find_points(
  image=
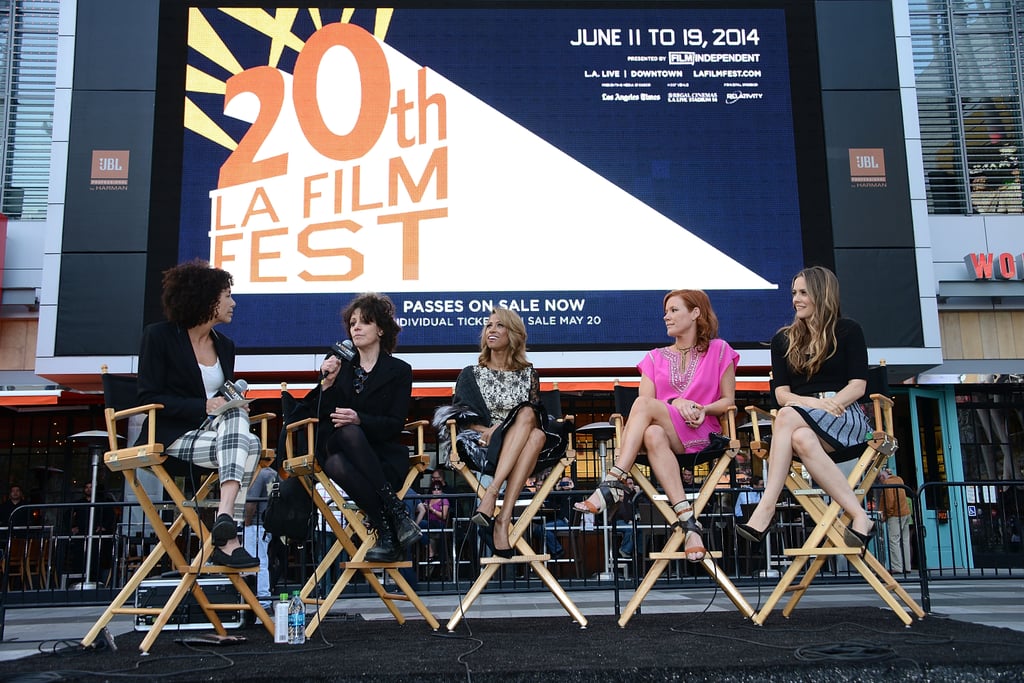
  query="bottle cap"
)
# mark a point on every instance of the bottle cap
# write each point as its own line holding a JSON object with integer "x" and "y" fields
{"x": 284, "y": 596}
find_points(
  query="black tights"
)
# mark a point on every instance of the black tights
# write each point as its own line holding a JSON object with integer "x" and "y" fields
{"x": 354, "y": 466}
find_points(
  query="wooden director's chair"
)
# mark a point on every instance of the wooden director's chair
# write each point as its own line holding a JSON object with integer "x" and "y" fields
{"x": 673, "y": 549}
{"x": 827, "y": 538}
{"x": 551, "y": 400}
{"x": 354, "y": 538}
{"x": 120, "y": 397}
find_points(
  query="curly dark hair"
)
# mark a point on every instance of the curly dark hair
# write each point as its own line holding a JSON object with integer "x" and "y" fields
{"x": 375, "y": 308}
{"x": 191, "y": 292}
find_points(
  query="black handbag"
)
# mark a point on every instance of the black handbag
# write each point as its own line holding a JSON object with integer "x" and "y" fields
{"x": 289, "y": 510}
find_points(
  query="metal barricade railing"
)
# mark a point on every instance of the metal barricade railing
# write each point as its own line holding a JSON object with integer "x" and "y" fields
{"x": 973, "y": 532}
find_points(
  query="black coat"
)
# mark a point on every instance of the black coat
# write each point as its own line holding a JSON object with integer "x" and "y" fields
{"x": 383, "y": 408}
{"x": 169, "y": 374}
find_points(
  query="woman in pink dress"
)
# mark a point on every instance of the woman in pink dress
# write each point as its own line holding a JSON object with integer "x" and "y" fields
{"x": 684, "y": 388}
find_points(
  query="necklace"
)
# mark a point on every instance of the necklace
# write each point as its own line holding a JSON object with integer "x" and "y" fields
{"x": 683, "y": 351}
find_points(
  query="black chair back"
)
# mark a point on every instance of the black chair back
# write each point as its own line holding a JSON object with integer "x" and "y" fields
{"x": 551, "y": 399}
{"x": 120, "y": 391}
{"x": 624, "y": 398}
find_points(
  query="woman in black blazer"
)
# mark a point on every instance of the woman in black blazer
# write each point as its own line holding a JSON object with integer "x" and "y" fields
{"x": 362, "y": 405}
{"x": 183, "y": 364}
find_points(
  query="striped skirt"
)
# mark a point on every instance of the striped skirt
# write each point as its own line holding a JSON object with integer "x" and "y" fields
{"x": 838, "y": 431}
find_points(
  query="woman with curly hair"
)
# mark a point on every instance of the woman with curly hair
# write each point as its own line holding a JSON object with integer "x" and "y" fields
{"x": 820, "y": 368}
{"x": 365, "y": 402}
{"x": 684, "y": 387}
{"x": 183, "y": 364}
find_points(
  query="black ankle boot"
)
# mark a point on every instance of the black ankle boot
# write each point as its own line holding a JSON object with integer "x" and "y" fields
{"x": 405, "y": 528}
{"x": 387, "y": 548}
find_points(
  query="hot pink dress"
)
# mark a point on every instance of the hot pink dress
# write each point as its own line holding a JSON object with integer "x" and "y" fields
{"x": 699, "y": 381}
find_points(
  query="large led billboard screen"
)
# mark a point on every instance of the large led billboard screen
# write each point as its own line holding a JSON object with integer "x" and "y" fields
{"x": 574, "y": 163}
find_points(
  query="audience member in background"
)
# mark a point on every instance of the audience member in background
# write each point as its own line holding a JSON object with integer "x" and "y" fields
{"x": 895, "y": 511}
{"x": 820, "y": 368}
{"x": 432, "y": 513}
{"x": 747, "y": 494}
{"x": 558, "y": 507}
{"x": 183, "y": 364}
{"x": 15, "y": 499}
{"x": 684, "y": 388}
{"x": 624, "y": 518}
{"x": 256, "y": 539}
{"x": 104, "y": 524}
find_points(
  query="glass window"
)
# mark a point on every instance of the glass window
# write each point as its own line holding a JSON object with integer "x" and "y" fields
{"x": 28, "y": 67}
{"x": 968, "y": 75}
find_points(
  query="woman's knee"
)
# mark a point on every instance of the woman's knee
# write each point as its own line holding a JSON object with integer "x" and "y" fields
{"x": 788, "y": 419}
{"x": 643, "y": 407}
{"x": 655, "y": 436}
{"x": 805, "y": 442}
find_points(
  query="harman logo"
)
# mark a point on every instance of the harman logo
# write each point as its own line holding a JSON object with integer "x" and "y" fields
{"x": 867, "y": 167}
{"x": 109, "y": 170}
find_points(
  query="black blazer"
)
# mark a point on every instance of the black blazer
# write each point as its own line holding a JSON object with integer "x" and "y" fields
{"x": 382, "y": 405}
{"x": 169, "y": 374}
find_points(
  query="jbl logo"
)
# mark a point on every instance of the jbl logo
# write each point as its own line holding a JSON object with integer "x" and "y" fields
{"x": 109, "y": 169}
{"x": 867, "y": 165}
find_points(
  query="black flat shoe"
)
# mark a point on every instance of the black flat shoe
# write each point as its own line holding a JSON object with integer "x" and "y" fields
{"x": 857, "y": 539}
{"x": 751, "y": 534}
{"x": 224, "y": 529}
{"x": 238, "y": 559}
{"x": 481, "y": 520}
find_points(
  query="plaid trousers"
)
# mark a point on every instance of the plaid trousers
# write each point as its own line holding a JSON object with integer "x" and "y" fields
{"x": 225, "y": 444}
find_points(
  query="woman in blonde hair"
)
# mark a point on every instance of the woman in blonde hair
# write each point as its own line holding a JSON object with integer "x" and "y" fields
{"x": 497, "y": 408}
{"x": 820, "y": 368}
{"x": 684, "y": 387}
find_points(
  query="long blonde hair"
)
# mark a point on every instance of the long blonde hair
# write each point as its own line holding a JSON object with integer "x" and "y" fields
{"x": 516, "y": 339}
{"x": 813, "y": 341}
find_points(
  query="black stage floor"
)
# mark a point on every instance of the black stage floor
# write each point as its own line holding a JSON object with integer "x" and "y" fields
{"x": 848, "y": 644}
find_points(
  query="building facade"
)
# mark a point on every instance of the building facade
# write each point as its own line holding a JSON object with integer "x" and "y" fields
{"x": 960, "y": 79}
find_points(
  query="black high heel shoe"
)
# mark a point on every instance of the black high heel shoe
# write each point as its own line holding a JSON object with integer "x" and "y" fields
{"x": 856, "y": 538}
{"x": 751, "y": 534}
{"x": 504, "y": 553}
{"x": 481, "y": 520}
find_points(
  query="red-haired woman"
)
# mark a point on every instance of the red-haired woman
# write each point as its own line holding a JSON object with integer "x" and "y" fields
{"x": 683, "y": 389}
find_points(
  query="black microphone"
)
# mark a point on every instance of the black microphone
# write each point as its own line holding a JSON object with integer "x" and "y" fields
{"x": 343, "y": 350}
{"x": 232, "y": 391}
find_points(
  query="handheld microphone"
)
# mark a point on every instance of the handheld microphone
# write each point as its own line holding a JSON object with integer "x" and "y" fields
{"x": 343, "y": 351}
{"x": 232, "y": 391}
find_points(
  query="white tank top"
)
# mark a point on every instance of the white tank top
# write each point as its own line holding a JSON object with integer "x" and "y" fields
{"x": 213, "y": 378}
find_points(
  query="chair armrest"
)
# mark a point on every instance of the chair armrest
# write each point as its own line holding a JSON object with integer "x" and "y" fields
{"x": 454, "y": 460}
{"x": 419, "y": 427}
{"x": 263, "y": 420}
{"x": 114, "y": 416}
{"x": 128, "y": 412}
{"x": 295, "y": 426}
{"x": 289, "y": 439}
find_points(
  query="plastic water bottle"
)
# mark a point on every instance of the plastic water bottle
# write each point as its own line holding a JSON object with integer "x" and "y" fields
{"x": 296, "y": 620}
{"x": 281, "y": 619}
